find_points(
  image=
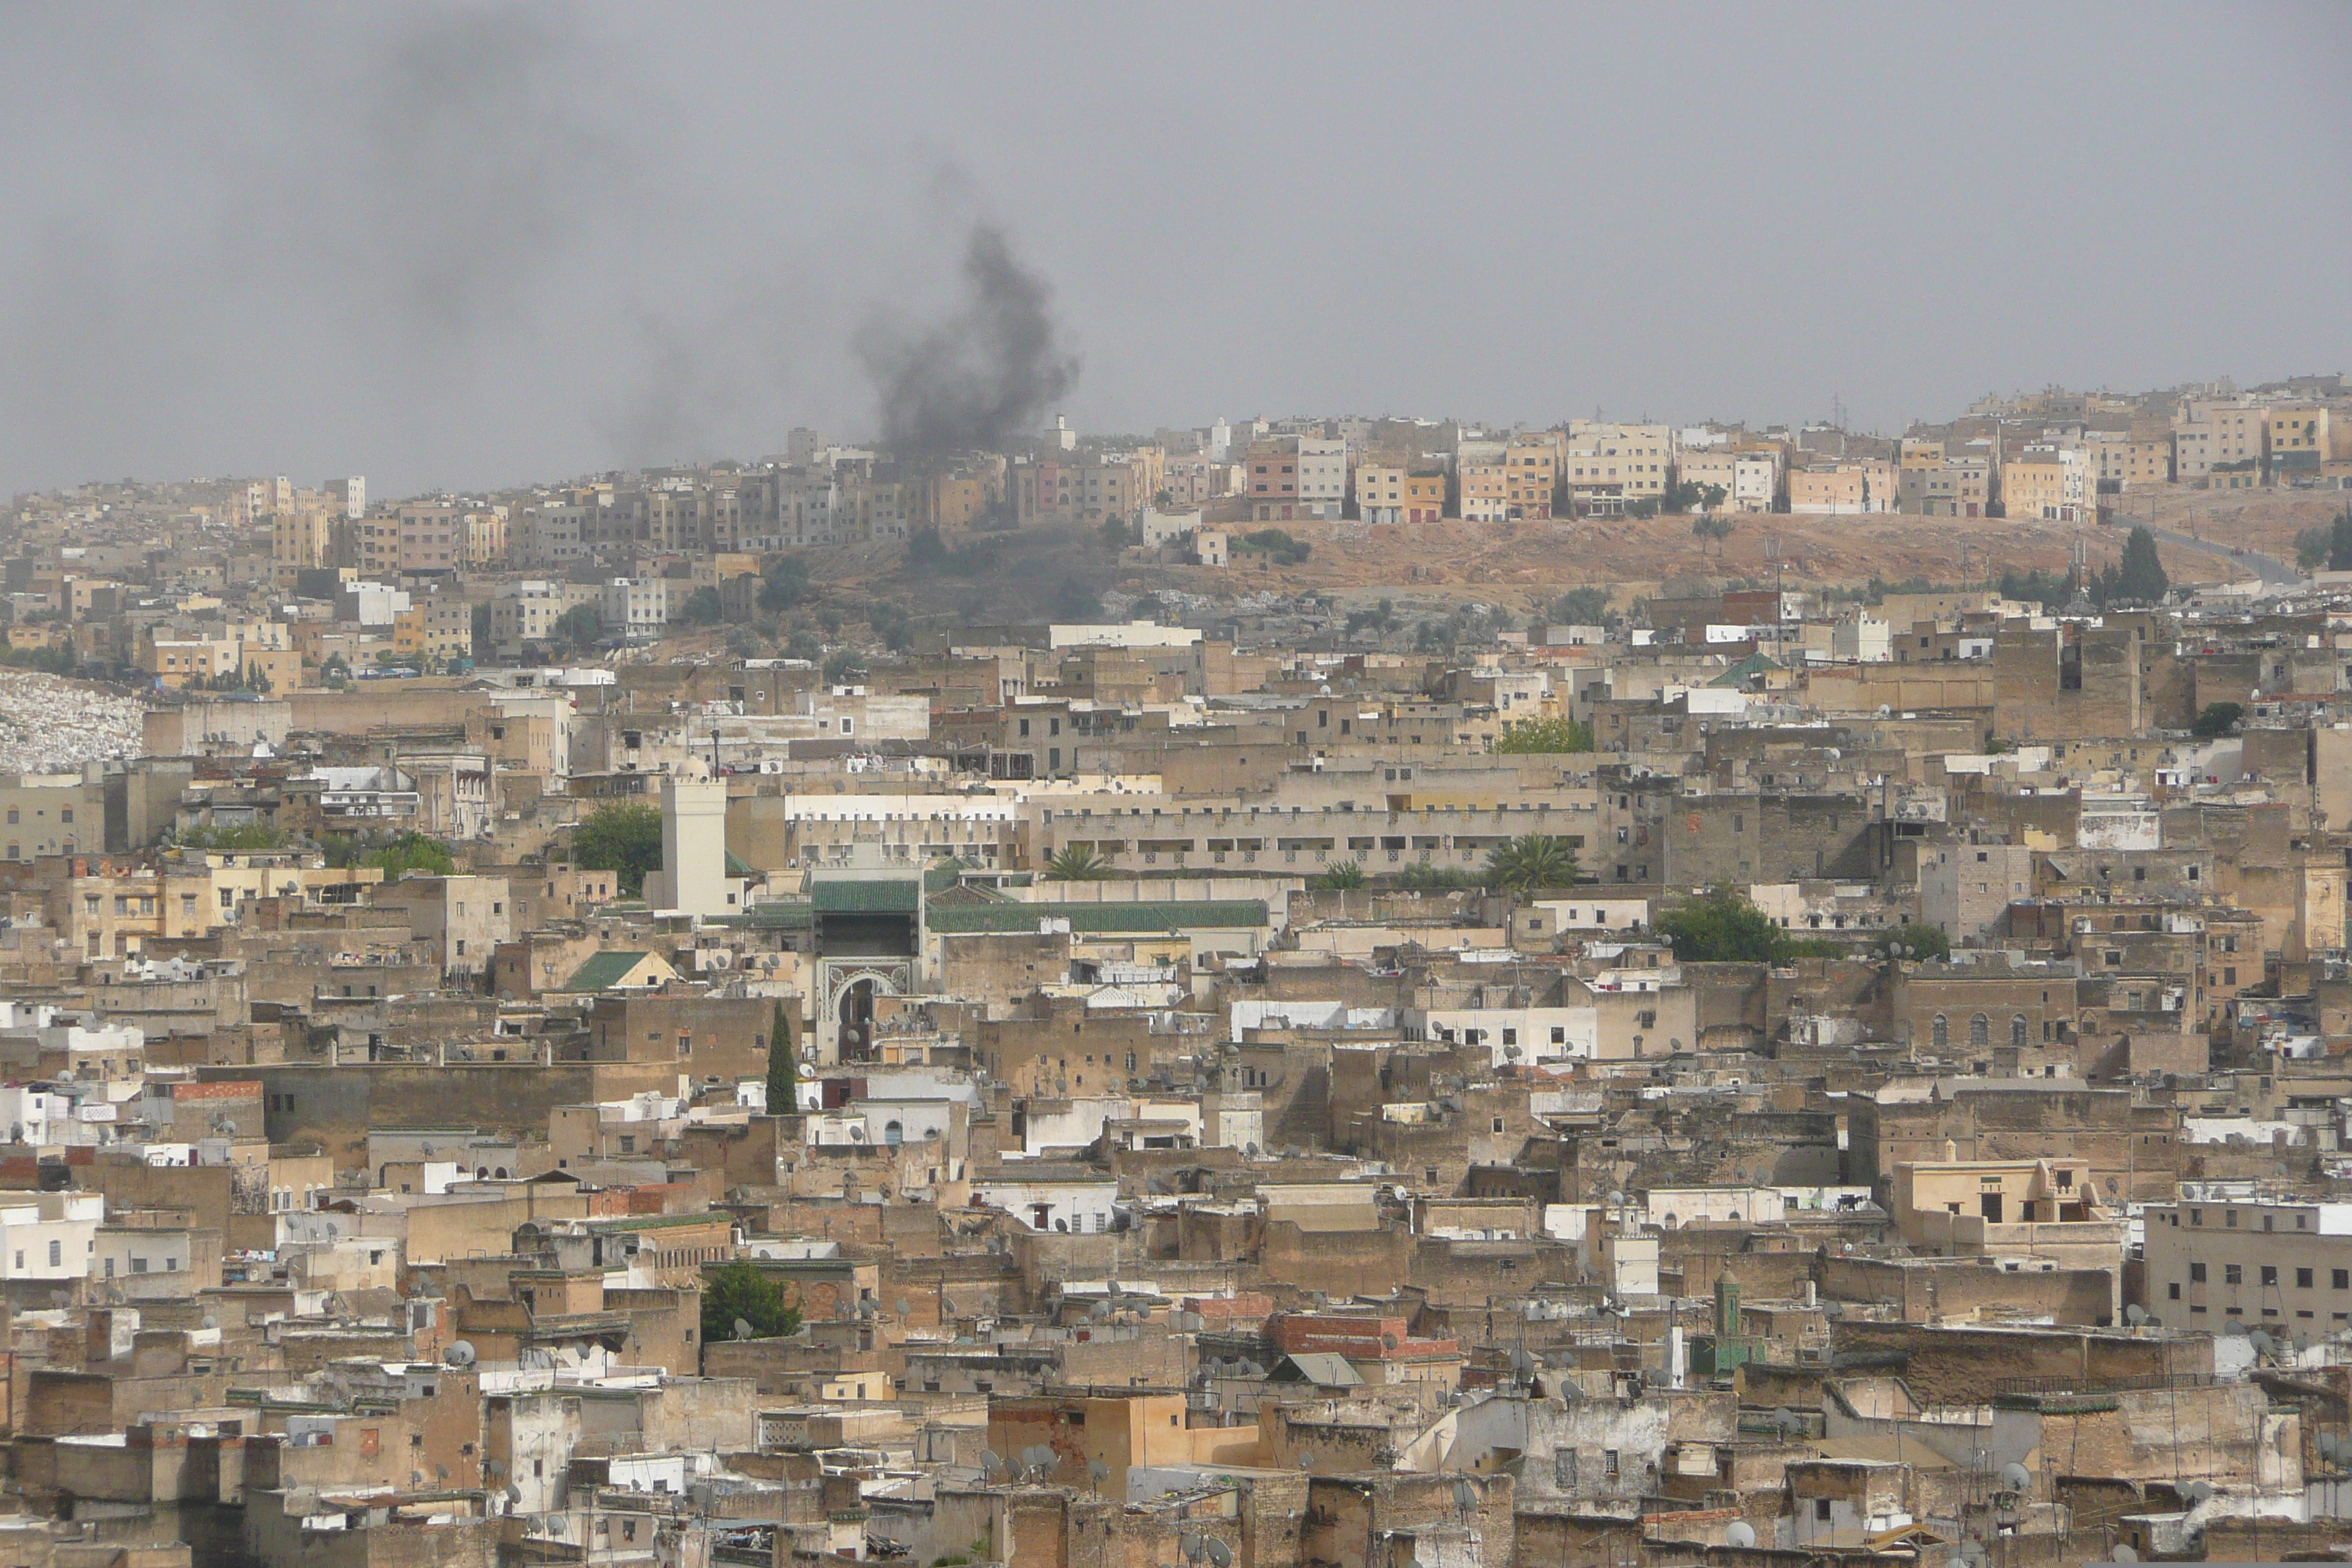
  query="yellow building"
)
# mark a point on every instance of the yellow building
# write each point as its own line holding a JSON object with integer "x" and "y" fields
{"x": 436, "y": 627}
{"x": 2027, "y": 1208}
{"x": 2295, "y": 439}
{"x": 486, "y": 537}
{"x": 175, "y": 661}
{"x": 1531, "y": 472}
{"x": 2030, "y": 487}
{"x": 301, "y": 539}
{"x": 2134, "y": 464}
{"x": 1610, "y": 467}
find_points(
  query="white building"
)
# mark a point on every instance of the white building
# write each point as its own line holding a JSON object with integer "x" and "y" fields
{"x": 1047, "y": 1204}
{"x": 1322, "y": 477}
{"x": 637, "y": 608}
{"x": 1511, "y": 1034}
{"x": 694, "y": 877}
{"x": 49, "y": 1235}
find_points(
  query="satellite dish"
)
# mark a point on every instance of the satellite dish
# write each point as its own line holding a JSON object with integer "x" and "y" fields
{"x": 2124, "y": 1555}
{"x": 211, "y": 1321}
{"x": 2014, "y": 1476}
{"x": 514, "y": 1495}
{"x": 901, "y": 1305}
{"x": 1219, "y": 1555}
{"x": 1740, "y": 1534}
{"x": 2234, "y": 1328}
{"x": 459, "y": 1353}
{"x": 2261, "y": 1341}
{"x": 743, "y": 1329}
{"x": 555, "y": 1524}
{"x": 2200, "y": 1490}
{"x": 1787, "y": 1420}
{"x": 1388, "y": 1342}
{"x": 1616, "y": 1197}
{"x": 1306, "y": 1459}
{"x": 2135, "y": 1314}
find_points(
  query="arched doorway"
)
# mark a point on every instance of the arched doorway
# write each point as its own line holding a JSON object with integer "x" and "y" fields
{"x": 856, "y": 1035}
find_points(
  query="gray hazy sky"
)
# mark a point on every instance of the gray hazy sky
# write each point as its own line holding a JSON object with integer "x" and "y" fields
{"x": 469, "y": 245}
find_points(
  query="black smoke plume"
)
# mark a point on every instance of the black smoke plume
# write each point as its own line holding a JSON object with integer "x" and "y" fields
{"x": 984, "y": 375}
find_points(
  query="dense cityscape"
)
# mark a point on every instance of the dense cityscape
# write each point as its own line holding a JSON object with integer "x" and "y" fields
{"x": 1141, "y": 1000}
{"x": 1060, "y": 786}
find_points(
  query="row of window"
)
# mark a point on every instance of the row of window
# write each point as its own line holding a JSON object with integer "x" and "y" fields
{"x": 1981, "y": 1030}
{"x": 2235, "y": 1274}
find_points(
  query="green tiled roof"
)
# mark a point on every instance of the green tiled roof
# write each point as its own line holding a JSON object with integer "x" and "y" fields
{"x": 790, "y": 914}
{"x": 1239, "y": 914}
{"x": 896, "y": 896}
{"x": 737, "y": 866}
{"x": 606, "y": 969}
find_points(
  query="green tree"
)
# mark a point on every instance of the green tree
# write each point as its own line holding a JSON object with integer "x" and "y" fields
{"x": 1422, "y": 878}
{"x": 249, "y": 835}
{"x": 785, "y": 584}
{"x": 2140, "y": 578}
{"x": 702, "y": 607}
{"x": 1920, "y": 940}
{"x": 2311, "y": 547}
{"x": 1543, "y": 737}
{"x": 1530, "y": 861}
{"x": 1277, "y": 545}
{"x": 738, "y": 1291}
{"x": 1587, "y": 607}
{"x": 1713, "y": 526}
{"x": 1338, "y": 877}
{"x": 412, "y": 852}
{"x": 1720, "y": 927}
{"x": 2339, "y": 541}
{"x": 784, "y": 1065}
{"x": 1075, "y": 863}
{"x": 481, "y": 622}
{"x": 581, "y": 627}
{"x": 840, "y": 665}
{"x": 2217, "y": 719}
{"x": 1117, "y": 535}
{"x": 1075, "y": 601}
{"x": 892, "y": 624}
{"x": 623, "y": 837}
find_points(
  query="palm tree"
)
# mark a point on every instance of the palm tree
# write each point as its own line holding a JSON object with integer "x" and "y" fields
{"x": 1075, "y": 863}
{"x": 1530, "y": 861}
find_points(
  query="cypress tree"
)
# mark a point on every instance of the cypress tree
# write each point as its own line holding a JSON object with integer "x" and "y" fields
{"x": 784, "y": 1066}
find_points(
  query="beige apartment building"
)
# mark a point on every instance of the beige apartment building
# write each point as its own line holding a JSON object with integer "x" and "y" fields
{"x": 2294, "y": 440}
{"x": 1849, "y": 488}
{"x": 1953, "y": 487}
{"x": 1530, "y": 474}
{"x": 2132, "y": 462}
{"x": 301, "y": 539}
{"x": 1609, "y": 466}
{"x": 1380, "y": 492}
{"x": 431, "y": 537}
{"x": 2284, "y": 1267}
{"x": 437, "y": 626}
{"x": 2209, "y": 434}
